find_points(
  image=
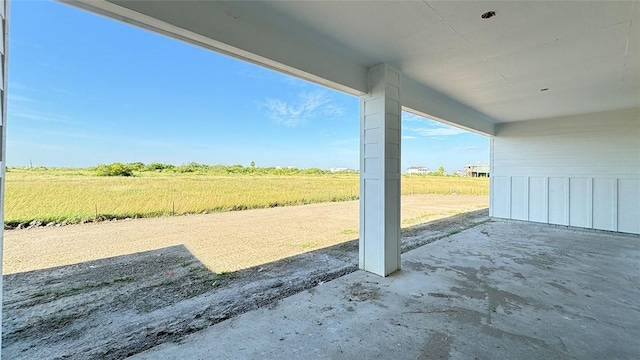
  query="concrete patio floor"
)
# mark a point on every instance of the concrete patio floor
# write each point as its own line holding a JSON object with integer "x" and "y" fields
{"x": 500, "y": 290}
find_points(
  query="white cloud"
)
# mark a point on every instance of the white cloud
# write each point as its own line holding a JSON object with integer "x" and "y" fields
{"x": 25, "y": 107}
{"x": 408, "y": 137}
{"x": 292, "y": 81}
{"x": 469, "y": 148}
{"x": 440, "y": 131}
{"x": 409, "y": 117}
{"x": 305, "y": 108}
{"x": 29, "y": 114}
{"x": 426, "y": 127}
{"x": 250, "y": 71}
{"x": 17, "y": 86}
{"x": 18, "y": 98}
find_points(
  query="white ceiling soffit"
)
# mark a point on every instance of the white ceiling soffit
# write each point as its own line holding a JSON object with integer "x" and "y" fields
{"x": 457, "y": 67}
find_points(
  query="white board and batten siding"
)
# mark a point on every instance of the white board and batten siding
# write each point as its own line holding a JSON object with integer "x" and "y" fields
{"x": 581, "y": 171}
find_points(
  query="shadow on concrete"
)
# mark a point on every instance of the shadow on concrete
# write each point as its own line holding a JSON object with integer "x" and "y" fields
{"x": 500, "y": 290}
{"x": 116, "y": 307}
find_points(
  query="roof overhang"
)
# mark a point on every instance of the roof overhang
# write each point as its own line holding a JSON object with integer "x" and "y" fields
{"x": 532, "y": 60}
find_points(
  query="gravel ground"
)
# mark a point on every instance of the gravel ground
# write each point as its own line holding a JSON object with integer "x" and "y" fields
{"x": 132, "y": 285}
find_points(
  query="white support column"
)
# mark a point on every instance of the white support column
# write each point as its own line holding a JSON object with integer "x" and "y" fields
{"x": 380, "y": 172}
{"x": 4, "y": 41}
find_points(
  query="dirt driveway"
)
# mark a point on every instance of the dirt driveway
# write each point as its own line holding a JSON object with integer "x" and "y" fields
{"x": 221, "y": 241}
{"x": 132, "y": 285}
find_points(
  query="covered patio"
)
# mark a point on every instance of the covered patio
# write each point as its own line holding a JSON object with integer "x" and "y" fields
{"x": 500, "y": 290}
{"x": 555, "y": 85}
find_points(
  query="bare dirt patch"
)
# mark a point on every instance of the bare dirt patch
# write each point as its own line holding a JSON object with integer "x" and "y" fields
{"x": 110, "y": 308}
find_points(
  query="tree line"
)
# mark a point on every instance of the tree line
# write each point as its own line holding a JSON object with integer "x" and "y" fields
{"x": 130, "y": 169}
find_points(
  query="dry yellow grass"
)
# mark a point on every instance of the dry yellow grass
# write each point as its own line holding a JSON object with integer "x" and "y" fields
{"x": 74, "y": 195}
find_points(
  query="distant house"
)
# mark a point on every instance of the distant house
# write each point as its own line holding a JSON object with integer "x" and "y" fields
{"x": 477, "y": 169}
{"x": 341, "y": 169}
{"x": 418, "y": 170}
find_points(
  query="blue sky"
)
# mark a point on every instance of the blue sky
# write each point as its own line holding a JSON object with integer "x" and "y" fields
{"x": 85, "y": 90}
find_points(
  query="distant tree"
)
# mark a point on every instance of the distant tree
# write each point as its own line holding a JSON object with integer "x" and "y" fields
{"x": 137, "y": 166}
{"x": 192, "y": 167}
{"x": 115, "y": 169}
{"x": 439, "y": 172}
{"x": 156, "y": 166}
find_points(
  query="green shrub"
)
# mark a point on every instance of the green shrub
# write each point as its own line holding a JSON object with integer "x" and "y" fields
{"x": 115, "y": 169}
{"x": 136, "y": 166}
{"x": 156, "y": 166}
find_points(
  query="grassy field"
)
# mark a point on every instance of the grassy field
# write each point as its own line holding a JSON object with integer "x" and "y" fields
{"x": 74, "y": 196}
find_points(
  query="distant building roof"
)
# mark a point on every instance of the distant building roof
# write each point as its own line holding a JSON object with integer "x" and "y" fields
{"x": 417, "y": 169}
{"x": 342, "y": 169}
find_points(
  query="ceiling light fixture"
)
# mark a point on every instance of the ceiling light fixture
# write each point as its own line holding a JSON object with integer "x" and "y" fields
{"x": 488, "y": 14}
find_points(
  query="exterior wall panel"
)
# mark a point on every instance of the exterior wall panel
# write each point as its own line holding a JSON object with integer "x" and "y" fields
{"x": 579, "y": 170}
{"x": 579, "y": 202}
{"x": 628, "y": 205}
{"x": 558, "y": 204}
{"x": 604, "y": 204}
{"x": 500, "y": 193}
{"x": 519, "y": 198}
{"x": 538, "y": 199}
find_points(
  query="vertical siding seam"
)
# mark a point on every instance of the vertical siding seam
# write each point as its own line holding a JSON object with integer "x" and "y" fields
{"x": 546, "y": 199}
{"x": 528, "y": 198}
{"x": 614, "y": 206}
{"x": 590, "y": 202}
{"x": 567, "y": 201}
{"x": 510, "y": 197}
{"x": 491, "y": 178}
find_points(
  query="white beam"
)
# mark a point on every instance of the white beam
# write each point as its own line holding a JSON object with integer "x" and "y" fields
{"x": 380, "y": 172}
{"x": 423, "y": 101}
